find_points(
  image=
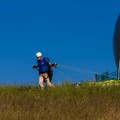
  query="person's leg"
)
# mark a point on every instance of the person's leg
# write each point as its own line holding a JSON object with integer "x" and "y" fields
{"x": 47, "y": 80}
{"x": 40, "y": 81}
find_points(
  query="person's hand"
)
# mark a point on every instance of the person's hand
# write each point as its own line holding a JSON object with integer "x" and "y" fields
{"x": 55, "y": 64}
{"x": 33, "y": 66}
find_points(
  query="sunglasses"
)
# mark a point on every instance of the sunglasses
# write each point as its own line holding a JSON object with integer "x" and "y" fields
{"x": 39, "y": 57}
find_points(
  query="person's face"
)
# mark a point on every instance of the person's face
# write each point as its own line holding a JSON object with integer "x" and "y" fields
{"x": 39, "y": 58}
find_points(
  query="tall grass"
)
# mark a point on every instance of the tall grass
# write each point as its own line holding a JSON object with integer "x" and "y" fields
{"x": 65, "y": 102}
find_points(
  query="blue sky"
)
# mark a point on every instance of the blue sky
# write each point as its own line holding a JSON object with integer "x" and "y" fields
{"x": 74, "y": 33}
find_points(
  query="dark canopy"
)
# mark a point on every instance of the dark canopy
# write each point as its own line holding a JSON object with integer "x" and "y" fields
{"x": 116, "y": 42}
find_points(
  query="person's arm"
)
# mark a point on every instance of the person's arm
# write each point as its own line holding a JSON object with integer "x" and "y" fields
{"x": 51, "y": 65}
{"x": 48, "y": 63}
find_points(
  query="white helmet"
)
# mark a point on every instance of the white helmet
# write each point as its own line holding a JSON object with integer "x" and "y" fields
{"x": 38, "y": 54}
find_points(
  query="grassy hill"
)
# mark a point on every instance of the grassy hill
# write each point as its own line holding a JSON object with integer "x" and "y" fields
{"x": 65, "y": 102}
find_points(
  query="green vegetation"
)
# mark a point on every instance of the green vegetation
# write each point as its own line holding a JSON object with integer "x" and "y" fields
{"x": 65, "y": 102}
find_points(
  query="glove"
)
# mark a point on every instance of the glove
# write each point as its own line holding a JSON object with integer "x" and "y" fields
{"x": 55, "y": 64}
{"x": 34, "y": 66}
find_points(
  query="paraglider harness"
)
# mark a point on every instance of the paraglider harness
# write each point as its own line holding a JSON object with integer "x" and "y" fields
{"x": 49, "y": 71}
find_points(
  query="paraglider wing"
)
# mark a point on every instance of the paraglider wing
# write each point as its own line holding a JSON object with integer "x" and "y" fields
{"x": 116, "y": 42}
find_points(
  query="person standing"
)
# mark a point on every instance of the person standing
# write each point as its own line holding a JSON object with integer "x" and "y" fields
{"x": 45, "y": 71}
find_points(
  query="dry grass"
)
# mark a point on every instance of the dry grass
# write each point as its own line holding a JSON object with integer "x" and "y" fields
{"x": 64, "y": 102}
